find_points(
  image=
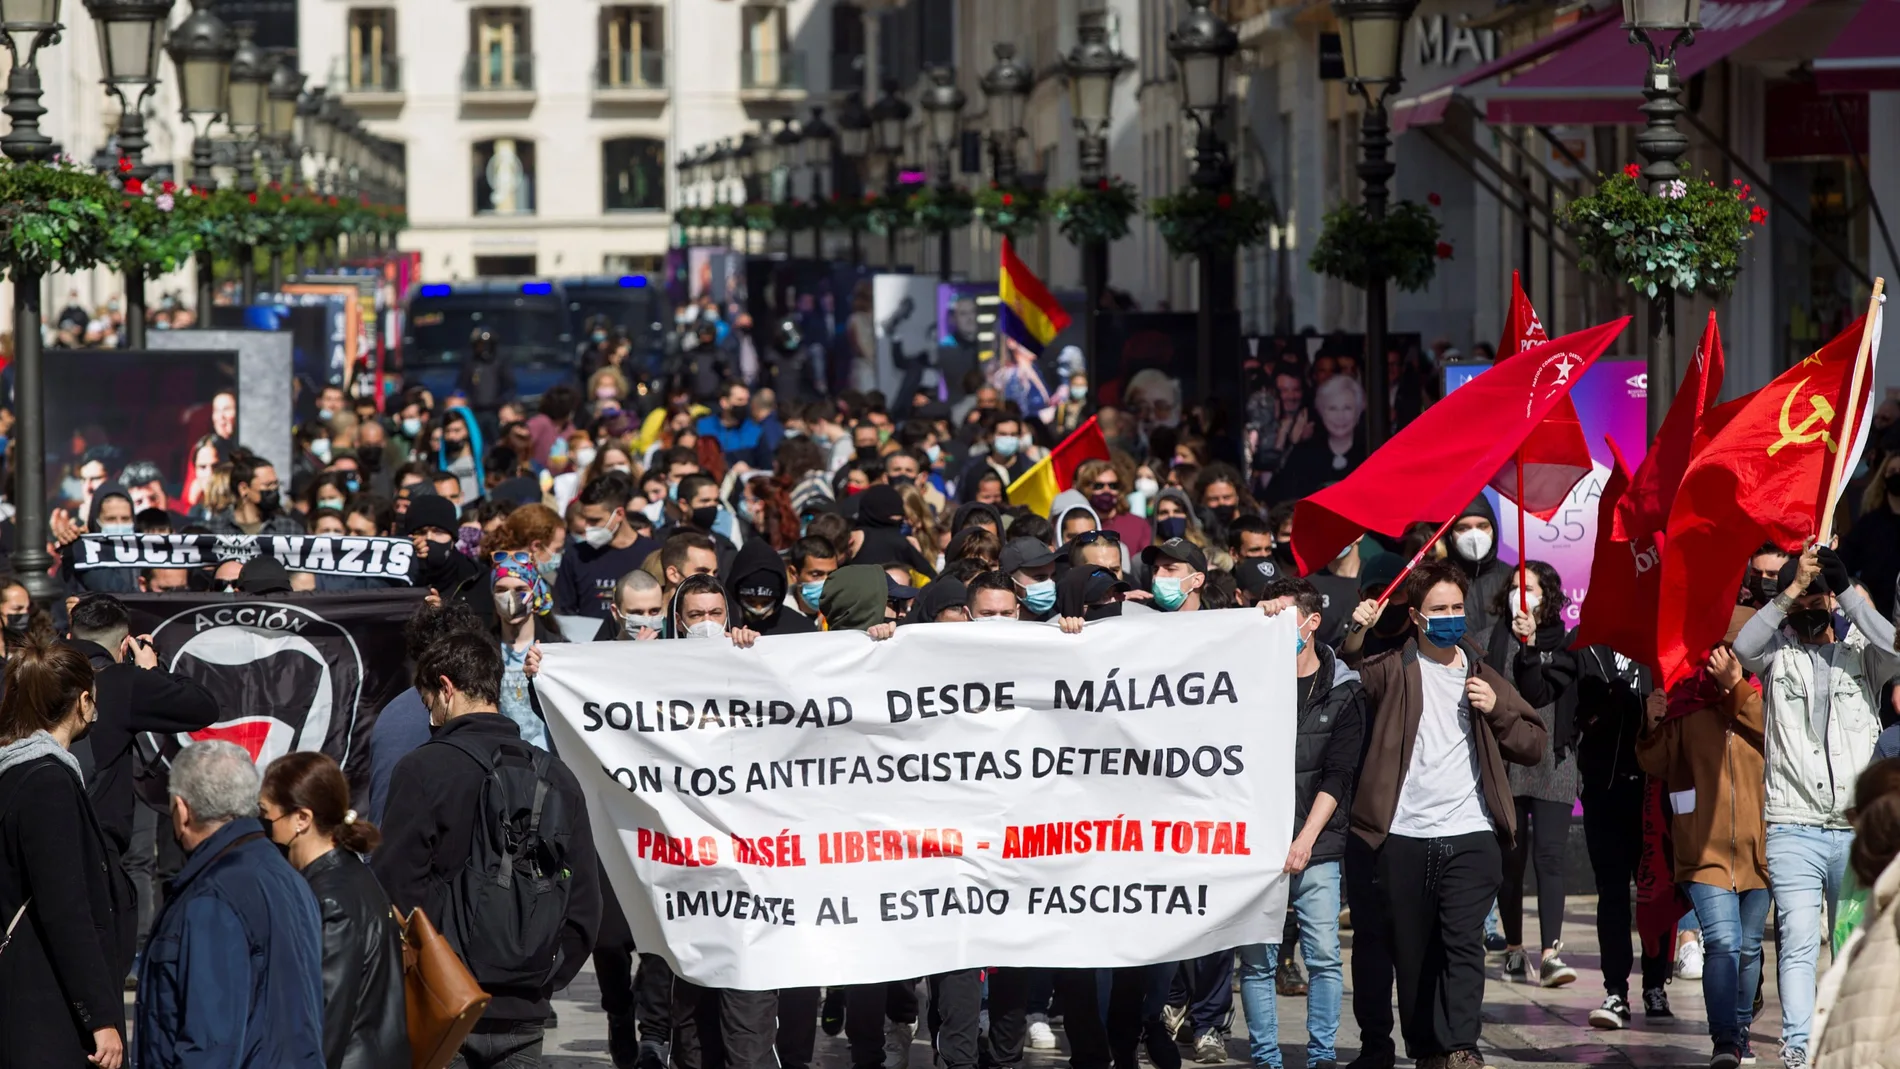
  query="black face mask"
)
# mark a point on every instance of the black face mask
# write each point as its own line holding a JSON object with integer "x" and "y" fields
{"x": 267, "y": 502}
{"x": 867, "y": 453}
{"x": 370, "y": 459}
{"x": 1226, "y": 513}
{"x": 703, "y": 518}
{"x": 1757, "y": 591}
{"x": 1170, "y": 527}
{"x": 1810, "y": 625}
{"x": 434, "y": 563}
{"x": 453, "y": 447}
{"x": 16, "y": 621}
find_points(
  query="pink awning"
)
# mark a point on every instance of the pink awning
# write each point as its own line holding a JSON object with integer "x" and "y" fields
{"x": 1428, "y": 107}
{"x": 1866, "y": 56}
{"x": 1599, "y": 79}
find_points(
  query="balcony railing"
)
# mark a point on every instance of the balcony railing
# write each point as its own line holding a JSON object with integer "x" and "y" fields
{"x": 370, "y": 74}
{"x": 630, "y": 70}
{"x": 497, "y": 72}
{"x": 772, "y": 70}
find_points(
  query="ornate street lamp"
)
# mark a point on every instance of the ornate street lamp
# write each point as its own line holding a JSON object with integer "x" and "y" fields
{"x": 1372, "y": 41}
{"x": 1006, "y": 87}
{"x": 29, "y": 25}
{"x": 129, "y": 43}
{"x": 888, "y": 118}
{"x": 943, "y": 109}
{"x": 1202, "y": 44}
{"x": 1092, "y": 68}
{"x": 816, "y": 147}
{"x": 1661, "y": 27}
{"x": 854, "y": 144}
{"x": 249, "y": 100}
{"x": 201, "y": 48}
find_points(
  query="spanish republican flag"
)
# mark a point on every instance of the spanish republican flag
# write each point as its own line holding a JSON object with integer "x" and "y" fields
{"x": 1771, "y": 473}
{"x": 1031, "y": 315}
{"x": 1055, "y": 473}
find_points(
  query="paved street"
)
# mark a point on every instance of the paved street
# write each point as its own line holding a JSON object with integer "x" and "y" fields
{"x": 1524, "y": 1024}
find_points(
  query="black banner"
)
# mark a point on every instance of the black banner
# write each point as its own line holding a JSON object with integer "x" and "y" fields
{"x": 374, "y": 558}
{"x": 290, "y": 671}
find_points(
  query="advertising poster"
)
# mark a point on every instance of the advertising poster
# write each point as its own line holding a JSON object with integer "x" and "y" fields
{"x": 110, "y": 411}
{"x": 904, "y": 311}
{"x": 1147, "y": 368}
{"x": 1611, "y": 399}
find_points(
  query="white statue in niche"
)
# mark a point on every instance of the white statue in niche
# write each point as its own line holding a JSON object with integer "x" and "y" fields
{"x": 507, "y": 179}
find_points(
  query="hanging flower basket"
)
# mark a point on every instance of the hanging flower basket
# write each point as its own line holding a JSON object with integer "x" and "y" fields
{"x": 761, "y": 217}
{"x": 54, "y": 216}
{"x": 1097, "y": 212}
{"x": 1404, "y": 245}
{"x": 887, "y": 214}
{"x": 798, "y": 215}
{"x": 1010, "y": 211}
{"x": 936, "y": 211}
{"x": 849, "y": 213}
{"x": 1203, "y": 222}
{"x": 1687, "y": 239}
{"x": 155, "y": 227}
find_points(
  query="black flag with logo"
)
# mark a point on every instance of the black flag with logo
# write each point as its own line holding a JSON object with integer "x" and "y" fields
{"x": 290, "y": 671}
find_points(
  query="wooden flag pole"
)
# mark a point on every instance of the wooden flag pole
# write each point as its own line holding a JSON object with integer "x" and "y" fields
{"x": 1850, "y": 423}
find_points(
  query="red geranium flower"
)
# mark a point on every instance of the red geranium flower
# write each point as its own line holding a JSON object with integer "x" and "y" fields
{"x": 134, "y": 187}
{"x": 1758, "y": 215}
{"x": 124, "y": 164}
{"x": 1224, "y": 201}
{"x": 284, "y": 198}
{"x": 1009, "y": 199}
{"x": 253, "y": 198}
{"x": 1444, "y": 250}
{"x": 1102, "y": 184}
{"x": 1632, "y": 170}
{"x": 1434, "y": 199}
{"x": 168, "y": 186}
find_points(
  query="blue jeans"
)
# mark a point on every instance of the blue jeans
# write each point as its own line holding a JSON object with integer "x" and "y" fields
{"x": 1315, "y": 897}
{"x": 1805, "y": 866}
{"x": 1731, "y": 964}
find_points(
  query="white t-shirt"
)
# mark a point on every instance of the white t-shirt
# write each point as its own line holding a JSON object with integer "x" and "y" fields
{"x": 1443, "y": 792}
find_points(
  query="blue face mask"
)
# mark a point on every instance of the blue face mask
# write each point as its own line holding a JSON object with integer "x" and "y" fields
{"x": 1005, "y": 445}
{"x": 411, "y": 427}
{"x": 809, "y": 593}
{"x": 1168, "y": 593}
{"x": 1444, "y": 631}
{"x": 1040, "y": 595}
{"x": 1172, "y": 527}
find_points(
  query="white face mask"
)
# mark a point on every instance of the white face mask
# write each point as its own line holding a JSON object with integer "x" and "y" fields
{"x": 631, "y": 625}
{"x": 598, "y": 537}
{"x": 1147, "y": 487}
{"x": 1472, "y": 543}
{"x": 115, "y": 528}
{"x": 1531, "y": 602}
{"x": 706, "y": 629}
{"x": 584, "y": 456}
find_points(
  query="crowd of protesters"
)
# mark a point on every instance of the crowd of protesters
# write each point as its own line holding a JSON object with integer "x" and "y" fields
{"x": 1444, "y": 735}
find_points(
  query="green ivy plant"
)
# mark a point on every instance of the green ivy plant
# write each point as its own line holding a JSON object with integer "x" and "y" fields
{"x": 1097, "y": 212}
{"x": 1202, "y": 222}
{"x": 1687, "y": 239}
{"x": 53, "y": 216}
{"x": 1404, "y": 245}
{"x": 1009, "y": 211}
{"x": 936, "y": 210}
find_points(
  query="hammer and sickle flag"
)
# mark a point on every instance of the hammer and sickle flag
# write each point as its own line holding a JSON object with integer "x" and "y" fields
{"x": 1762, "y": 477}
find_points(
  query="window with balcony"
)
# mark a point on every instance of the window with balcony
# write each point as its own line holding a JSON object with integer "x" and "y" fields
{"x": 372, "y": 55}
{"x": 504, "y": 177}
{"x": 634, "y": 178}
{"x": 632, "y": 48}
{"x": 766, "y": 59}
{"x": 501, "y": 56}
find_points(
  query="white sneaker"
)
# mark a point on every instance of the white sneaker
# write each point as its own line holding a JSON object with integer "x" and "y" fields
{"x": 897, "y": 1041}
{"x": 1210, "y": 1049}
{"x": 1174, "y": 1019}
{"x": 1040, "y": 1036}
{"x": 1689, "y": 959}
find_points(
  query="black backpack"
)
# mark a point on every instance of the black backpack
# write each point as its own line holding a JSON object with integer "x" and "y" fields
{"x": 503, "y": 911}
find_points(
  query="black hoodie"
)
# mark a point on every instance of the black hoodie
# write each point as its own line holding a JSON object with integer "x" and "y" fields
{"x": 1487, "y": 574}
{"x": 758, "y": 564}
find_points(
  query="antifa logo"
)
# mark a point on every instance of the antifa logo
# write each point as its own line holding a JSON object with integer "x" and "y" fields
{"x": 285, "y": 678}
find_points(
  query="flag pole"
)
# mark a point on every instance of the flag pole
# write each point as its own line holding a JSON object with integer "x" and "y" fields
{"x": 1410, "y": 566}
{"x": 1850, "y": 422}
{"x": 1523, "y": 552}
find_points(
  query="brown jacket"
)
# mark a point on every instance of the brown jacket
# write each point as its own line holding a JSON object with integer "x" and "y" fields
{"x": 1711, "y": 759}
{"x": 1511, "y": 731}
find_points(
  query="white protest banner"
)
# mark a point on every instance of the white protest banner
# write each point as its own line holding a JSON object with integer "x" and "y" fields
{"x": 826, "y": 809}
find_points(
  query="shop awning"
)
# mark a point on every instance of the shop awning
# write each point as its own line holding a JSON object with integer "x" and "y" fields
{"x": 1425, "y": 108}
{"x": 1599, "y": 78}
{"x": 1866, "y": 56}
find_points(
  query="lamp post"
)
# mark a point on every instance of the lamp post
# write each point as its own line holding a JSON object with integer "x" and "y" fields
{"x": 1201, "y": 45}
{"x": 943, "y": 107}
{"x": 854, "y": 143}
{"x": 752, "y": 151}
{"x": 816, "y": 148}
{"x": 28, "y": 25}
{"x": 888, "y": 117}
{"x": 283, "y": 91}
{"x": 1006, "y": 87}
{"x": 786, "y": 156}
{"x": 129, "y": 42}
{"x": 201, "y": 47}
{"x": 1371, "y": 39}
{"x": 246, "y": 103}
{"x": 1661, "y": 27}
{"x": 1092, "y": 68}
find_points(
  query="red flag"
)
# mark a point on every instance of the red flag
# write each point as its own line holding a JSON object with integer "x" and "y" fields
{"x": 1522, "y": 329}
{"x": 1556, "y": 454}
{"x": 1625, "y": 580}
{"x": 1439, "y": 462}
{"x": 1758, "y": 479}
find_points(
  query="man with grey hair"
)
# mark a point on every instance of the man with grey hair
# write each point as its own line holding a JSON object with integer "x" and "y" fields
{"x": 233, "y": 973}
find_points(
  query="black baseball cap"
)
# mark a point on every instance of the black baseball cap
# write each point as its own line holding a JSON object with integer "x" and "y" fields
{"x": 1020, "y": 553}
{"x": 896, "y": 591}
{"x": 1179, "y": 549}
{"x": 1255, "y": 574}
{"x": 263, "y": 575}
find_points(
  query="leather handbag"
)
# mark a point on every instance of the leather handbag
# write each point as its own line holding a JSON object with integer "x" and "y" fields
{"x": 442, "y": 998}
